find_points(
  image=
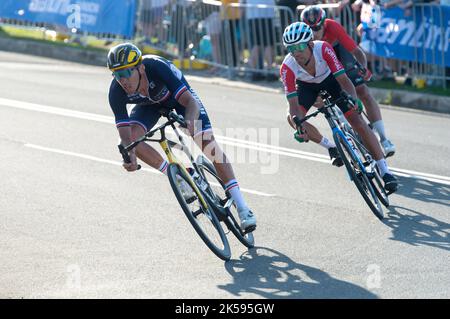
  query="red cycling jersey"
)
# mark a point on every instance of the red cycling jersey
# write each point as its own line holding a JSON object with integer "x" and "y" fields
{"x": 334, "y": 33}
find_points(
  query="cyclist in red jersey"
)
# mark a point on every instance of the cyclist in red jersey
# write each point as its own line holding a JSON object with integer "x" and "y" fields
{"x": 350, "y": 55}
{"x": 310, "y": 67}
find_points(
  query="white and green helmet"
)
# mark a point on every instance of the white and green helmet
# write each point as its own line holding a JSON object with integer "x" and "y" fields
{"x": 296, "y": 33}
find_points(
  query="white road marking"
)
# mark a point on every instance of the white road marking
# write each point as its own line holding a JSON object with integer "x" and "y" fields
{"x": 101, "y": 160}
{"x": 222, "y": 139}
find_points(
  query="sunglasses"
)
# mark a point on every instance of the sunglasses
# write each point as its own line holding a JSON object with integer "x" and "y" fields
{"x": 297, "y": 47}
{"x": 125, "y": 73}
{"x": 316, "y": 28}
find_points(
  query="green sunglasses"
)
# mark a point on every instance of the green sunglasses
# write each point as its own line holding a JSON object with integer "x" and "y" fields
{"x": 297, "y": 47}
{"x": 125, "y": 73}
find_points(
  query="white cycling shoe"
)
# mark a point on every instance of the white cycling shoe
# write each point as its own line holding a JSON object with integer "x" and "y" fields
{"x": 388, "y": 148}
{"x": 248, "y": 220}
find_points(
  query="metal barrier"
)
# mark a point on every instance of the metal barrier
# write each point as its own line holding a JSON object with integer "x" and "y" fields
{"x": 436, "y": 70}
{"x": 259, "y": 38}
{"x": 230, "y": 37}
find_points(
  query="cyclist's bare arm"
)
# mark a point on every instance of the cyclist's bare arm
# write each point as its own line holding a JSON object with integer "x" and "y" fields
{"x": 192, "y": 109}
{"x": 360, "y": 56}
{"x": 347, "y": 85}
{"x": 126, "y": 139}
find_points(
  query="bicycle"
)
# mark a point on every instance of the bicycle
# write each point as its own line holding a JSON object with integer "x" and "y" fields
{"x": 204, "y": 206}
{"x": 361, "y": 167}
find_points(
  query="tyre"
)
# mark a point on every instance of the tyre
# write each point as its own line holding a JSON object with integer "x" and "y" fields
{"x": 208, "y": 171}
{"x": 361, "y": 180}
{"x": 202, "y": 218}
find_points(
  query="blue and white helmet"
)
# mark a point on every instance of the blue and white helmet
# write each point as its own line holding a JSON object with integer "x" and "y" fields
{"x": 297, "y": 32}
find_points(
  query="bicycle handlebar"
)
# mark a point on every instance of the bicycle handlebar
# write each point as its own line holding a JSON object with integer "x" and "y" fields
{"x": 172, "y": 118}
{"x": 125, "y": 155}
{"x": 324, "y": 95}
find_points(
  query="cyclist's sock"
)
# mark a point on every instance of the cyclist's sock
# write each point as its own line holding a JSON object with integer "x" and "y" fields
{"x": 378, "y": 127}
{"x": 327, "y": 143}
{"x": 163, "y": 167}
{"x": 382, "y": 166}
{"x": 233, "y": 188}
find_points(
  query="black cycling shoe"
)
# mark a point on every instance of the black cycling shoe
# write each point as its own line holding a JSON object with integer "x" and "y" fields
{"x": 334, "y": 155}
{"x": 390, "y": 183}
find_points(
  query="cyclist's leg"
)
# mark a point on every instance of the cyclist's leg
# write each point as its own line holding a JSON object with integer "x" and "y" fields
{"x": 204, "y": 138}
{"x": 307, "y": 95}
{"x": 143, "y": 118}
{"x": 372, "y": 107}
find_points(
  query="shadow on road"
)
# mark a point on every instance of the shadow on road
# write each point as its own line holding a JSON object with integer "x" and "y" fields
{"x": 415, "y": 228}
{"x": 271, "y": 274}
{"x": 424, "y": 191}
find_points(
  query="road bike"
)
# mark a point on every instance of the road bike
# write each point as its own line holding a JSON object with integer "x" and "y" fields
{"x": 198, "y": 189}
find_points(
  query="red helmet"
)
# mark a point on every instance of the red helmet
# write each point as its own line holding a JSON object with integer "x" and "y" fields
{"x": 313, "y": 16}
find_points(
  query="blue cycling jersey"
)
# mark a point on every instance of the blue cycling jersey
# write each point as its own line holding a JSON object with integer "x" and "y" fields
{"x": 166, "y": 85}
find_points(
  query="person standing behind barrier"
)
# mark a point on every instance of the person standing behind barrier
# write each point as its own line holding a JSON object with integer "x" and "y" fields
{"x": 214, "y": 30}
{"x": 152, "y": 17}
{"x": 230, "y": 31}
{"x": 260, "y": 29}
{"x": 350, "y": 55}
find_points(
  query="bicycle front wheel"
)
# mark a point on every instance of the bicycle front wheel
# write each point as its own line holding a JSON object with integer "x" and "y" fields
{"x": 355, "y": 168}
{"x": 201, "y": 216}
{"x": 217, "y": 186}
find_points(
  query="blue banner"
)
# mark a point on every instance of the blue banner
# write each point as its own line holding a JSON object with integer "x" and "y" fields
{"x": 98, "y": 16}
{"x": 423, "y": 36}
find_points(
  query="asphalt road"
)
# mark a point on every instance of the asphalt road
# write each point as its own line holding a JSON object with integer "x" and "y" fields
{"x": 74, "y": 224}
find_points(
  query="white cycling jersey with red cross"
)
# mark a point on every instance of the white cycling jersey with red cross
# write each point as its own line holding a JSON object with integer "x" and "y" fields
{"x": 326, "y": 63}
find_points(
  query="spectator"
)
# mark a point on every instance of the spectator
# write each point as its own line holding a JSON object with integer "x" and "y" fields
{"x": 214, "y": 30}
{"x": 261, "y": 33}
{"x": 152, "y": 17}
{"x": 230, "y": 31}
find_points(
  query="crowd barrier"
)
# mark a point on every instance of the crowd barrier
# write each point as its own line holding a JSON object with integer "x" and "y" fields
{"x": 247, "y": 38}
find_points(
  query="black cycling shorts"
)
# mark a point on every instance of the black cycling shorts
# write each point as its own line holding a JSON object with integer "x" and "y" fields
{"x": 308, "y": 92}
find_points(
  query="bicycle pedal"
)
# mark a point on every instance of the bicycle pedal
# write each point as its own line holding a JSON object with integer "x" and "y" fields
{"x": 249, "y": 229}
{"x": 191, "y": 199}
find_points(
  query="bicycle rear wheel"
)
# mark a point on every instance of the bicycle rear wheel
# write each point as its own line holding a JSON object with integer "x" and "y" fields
{"x": 231, "y": 220}
{"x": 358, "y": 174}
{"x": 202, "y": 218}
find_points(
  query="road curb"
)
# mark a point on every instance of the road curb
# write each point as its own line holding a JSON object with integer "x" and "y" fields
{"x": 396, "y": 98}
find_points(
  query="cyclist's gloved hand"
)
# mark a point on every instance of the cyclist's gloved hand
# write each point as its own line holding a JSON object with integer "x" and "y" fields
{"x": 355, "y": 103}
{"x": 301, "y": 137}
{"x": 359, "y": 105}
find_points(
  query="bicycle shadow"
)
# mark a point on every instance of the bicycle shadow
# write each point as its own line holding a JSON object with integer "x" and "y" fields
{"x": 417, "y": 229}
{"x": 424, "y": 191}
{"x": 271, "y": 274}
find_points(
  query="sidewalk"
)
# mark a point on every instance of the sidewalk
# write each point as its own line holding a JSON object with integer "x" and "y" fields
{"x": 395, "y": 98}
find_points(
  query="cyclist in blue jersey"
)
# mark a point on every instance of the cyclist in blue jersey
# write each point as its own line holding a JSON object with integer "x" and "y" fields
{"x": 151, "y": 83}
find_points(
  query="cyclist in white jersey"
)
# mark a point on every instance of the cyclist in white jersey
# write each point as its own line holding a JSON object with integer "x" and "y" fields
{"x": 310, "y": 67}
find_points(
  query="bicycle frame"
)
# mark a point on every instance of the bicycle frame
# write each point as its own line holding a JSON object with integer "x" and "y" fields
{"x": 336, "y": 130}
{"x": 334, "y": 122}
{"x": 166, "y": 146}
